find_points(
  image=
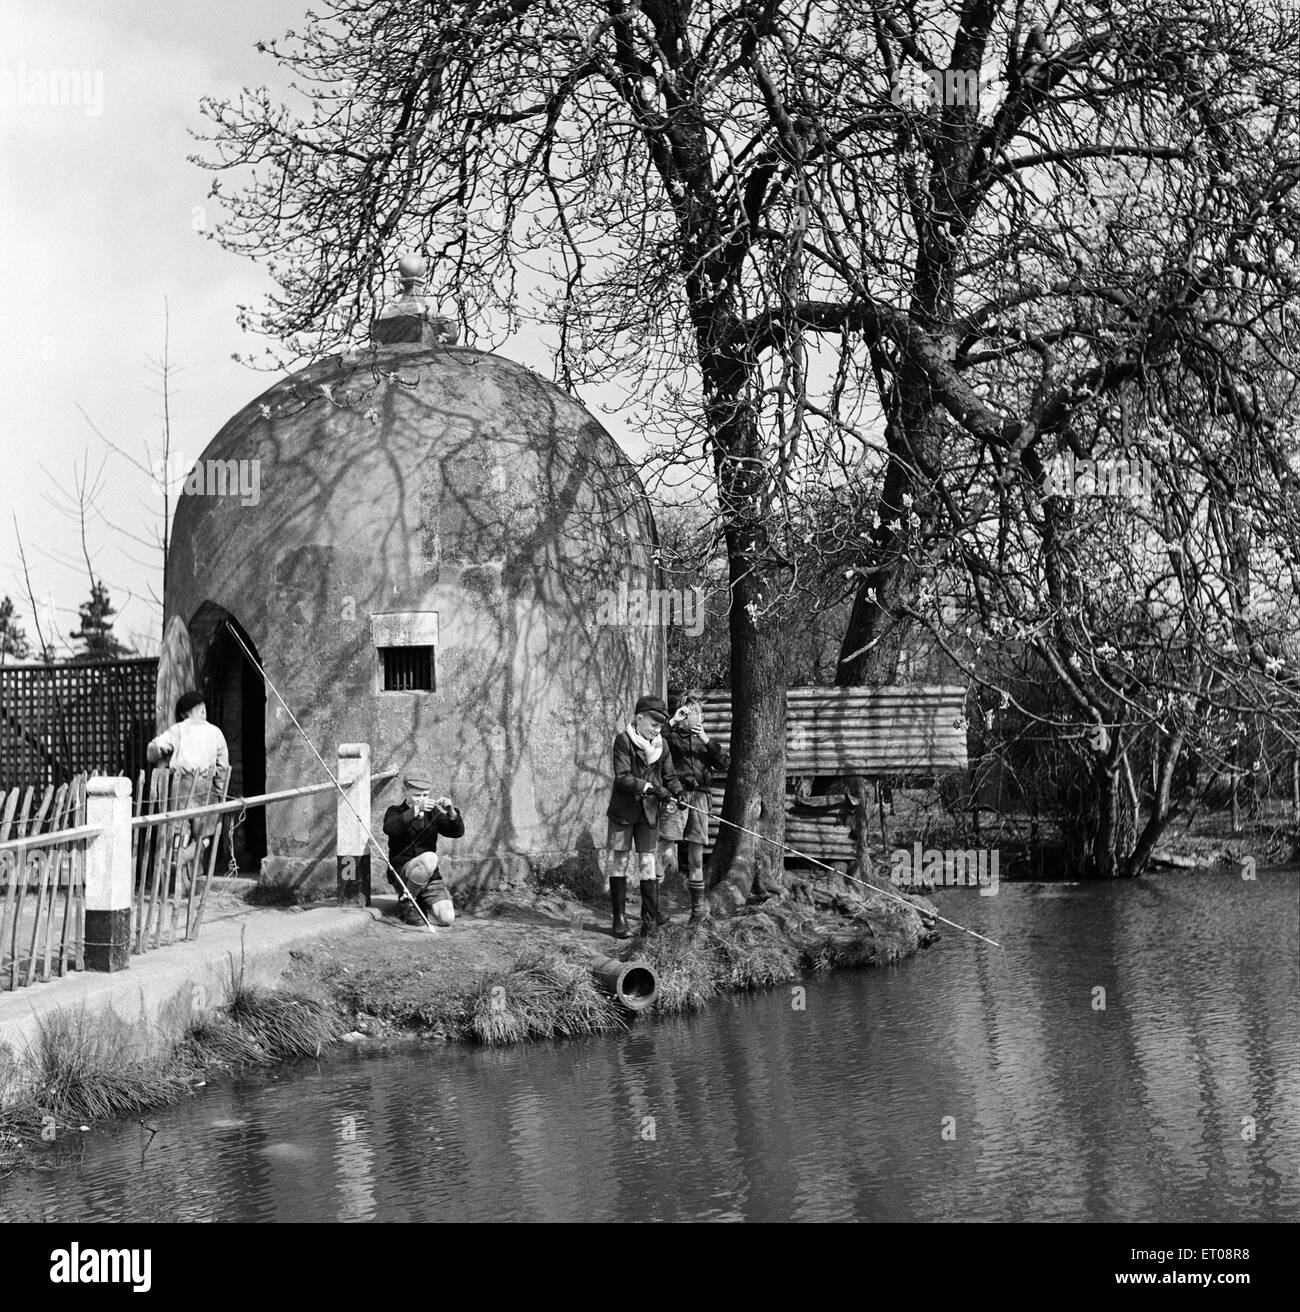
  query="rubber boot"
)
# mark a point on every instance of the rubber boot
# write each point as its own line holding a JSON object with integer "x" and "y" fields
{"x": 699, "y": 904}
{"x": 661, "y": 918}
{"x": 649, "y": 907}
{"x": 618, "y": 899}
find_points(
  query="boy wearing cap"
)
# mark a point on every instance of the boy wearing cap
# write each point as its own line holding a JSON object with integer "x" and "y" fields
{"x": 413, "y": 829}
{"x": 644, "y": 779}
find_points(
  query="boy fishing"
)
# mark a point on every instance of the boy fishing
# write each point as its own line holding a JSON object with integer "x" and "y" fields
{"x": 696, "y": 757}
{"x": 644, "y": 780}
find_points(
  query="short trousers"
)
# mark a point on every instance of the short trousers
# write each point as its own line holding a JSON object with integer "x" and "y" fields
{"x": 434, "y": 891}
{"x": 622, "y": 836}
{"x": 683, "y": 826}
{"x": 427, "y": 886}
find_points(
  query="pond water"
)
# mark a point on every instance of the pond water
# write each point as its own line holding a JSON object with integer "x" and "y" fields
{"x": 965, "y": 1084}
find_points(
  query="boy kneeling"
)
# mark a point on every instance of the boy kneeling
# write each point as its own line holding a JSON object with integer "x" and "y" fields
{"x": 413, "y": 830}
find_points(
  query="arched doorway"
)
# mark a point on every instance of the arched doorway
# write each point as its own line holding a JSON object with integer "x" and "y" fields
{"x": 236, "y": 698}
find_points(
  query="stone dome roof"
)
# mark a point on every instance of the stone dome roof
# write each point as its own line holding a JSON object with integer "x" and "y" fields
{"x": 472, "y": 453}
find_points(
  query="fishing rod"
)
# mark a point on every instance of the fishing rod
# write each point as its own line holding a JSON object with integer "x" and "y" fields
{"x": 401, "y": 883}
{"x": 342, "y": 793}
{"x": 804, "y": 857}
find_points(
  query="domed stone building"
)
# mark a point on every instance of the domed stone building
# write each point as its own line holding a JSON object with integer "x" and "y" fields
{"x": 413, "y": 541}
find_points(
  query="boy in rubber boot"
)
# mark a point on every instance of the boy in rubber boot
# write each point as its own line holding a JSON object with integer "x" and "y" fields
{"x": 644, "y": 780}
{"x": 413, "y": 830}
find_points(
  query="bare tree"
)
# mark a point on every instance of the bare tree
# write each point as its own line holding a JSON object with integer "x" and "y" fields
{"x": 781, "y": 225}
{"x": 156, "y": 466}
{"x": 46, "y": 644}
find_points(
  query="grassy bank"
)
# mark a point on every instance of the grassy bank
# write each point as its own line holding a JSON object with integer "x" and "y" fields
{"x": 79, "y": 1072}
{"x": 543, "y": 988}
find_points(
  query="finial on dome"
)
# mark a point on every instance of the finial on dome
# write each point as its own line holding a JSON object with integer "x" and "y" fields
{"x": 409, "y": 319}
{"x": 413, "y": 271}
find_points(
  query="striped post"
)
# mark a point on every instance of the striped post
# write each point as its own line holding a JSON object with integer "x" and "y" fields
{"x": 353, "y": 889}
{"x": 108, "y": 875}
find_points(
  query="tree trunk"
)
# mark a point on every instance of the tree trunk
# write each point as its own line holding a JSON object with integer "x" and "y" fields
{"x": 873, "y": 640}
{"x": 1106, "y": 855}
{"x": 1161, "y": 810}
{"x": 866, "y": 804}
{"x": 1235, "y": 762}
{"x": 743, "y": 865}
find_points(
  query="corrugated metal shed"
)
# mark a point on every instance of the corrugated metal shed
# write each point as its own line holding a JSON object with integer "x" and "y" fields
{"x": 863, "y": 731}
{"x": 860, "y": 732}
{"x": 822, "y": 834}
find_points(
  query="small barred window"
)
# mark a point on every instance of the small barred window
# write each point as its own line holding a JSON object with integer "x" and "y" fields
{"x": 408, "y": 669}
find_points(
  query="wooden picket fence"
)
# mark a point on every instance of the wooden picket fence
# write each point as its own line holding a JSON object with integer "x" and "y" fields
{"x": 42, "y": 888}
{"x": 173, "y": 865}
{"x": 181, "y": 826}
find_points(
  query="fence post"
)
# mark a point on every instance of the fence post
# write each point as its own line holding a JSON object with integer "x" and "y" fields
{"x": 108, "y": 875}
{"x": 353, "y": 889}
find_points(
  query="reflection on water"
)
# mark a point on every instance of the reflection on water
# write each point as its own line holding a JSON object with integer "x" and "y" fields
{"x": 1134, "y": 1054}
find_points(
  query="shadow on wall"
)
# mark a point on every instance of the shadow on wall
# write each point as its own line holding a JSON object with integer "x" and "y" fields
{"x": 488, "y": 497}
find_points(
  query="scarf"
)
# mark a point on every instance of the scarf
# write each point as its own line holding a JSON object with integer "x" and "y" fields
{"x": 651, "y": 750}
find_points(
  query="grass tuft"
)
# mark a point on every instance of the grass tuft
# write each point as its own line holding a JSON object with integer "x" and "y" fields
{"x": 219, "y": 1044}
{"x": 686, "y": 964}
{"x": 543, "y": 995}
{"x": 284, "y": 1025}
{"x": 756, "y": 953}
{"x": 82, "y": 1073}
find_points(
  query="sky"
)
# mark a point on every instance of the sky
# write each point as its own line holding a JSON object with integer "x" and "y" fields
{"x": 102, "y": 222}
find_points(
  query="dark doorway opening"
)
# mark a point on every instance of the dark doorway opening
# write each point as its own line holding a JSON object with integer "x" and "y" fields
{"x": 236, "y": 698}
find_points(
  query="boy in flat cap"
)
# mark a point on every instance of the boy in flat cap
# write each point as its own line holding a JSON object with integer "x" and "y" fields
{"x": 644, "y": 779}
{"x": 413, "y": 829}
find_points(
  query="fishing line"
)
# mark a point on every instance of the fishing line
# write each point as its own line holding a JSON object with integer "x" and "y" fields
{"x": 347, "y": 800}
{"x": 873, "y": 887}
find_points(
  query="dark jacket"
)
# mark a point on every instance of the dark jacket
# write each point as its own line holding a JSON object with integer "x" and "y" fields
{"x": 628, "y": 800}
{"x": 694, "y": 761}
{"x": 409, "y": 837}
